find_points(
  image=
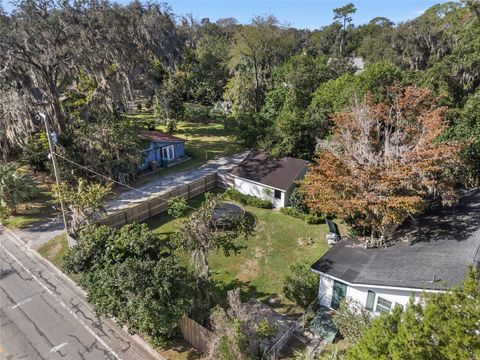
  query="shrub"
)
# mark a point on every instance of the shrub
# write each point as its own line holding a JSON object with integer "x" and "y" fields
{"x": 128, "y": 275}
{"x": 198, "y": 113}
{"x": 301, "y": 285}
{"x": 314, "y": 219}
{"x": 297, "y": 201}
{"x": 35, "y": 152}
{"x": 16, "y": 187}
{"x": 248, "y": 199}
{"x": 351, "y": 319}
{"x": 309, "y": 218}
{"x": 177, "y": 207}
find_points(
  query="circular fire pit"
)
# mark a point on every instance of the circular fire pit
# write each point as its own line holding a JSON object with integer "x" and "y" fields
{"x": 226, "y": 211}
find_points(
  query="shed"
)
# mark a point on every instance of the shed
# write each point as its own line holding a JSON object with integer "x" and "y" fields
{"x": 267, "y": 177}
{"x": 162, "y": 149}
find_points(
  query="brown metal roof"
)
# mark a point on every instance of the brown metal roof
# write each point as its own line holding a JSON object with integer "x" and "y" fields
{"x": 262, "y": 168}
{"x": 159, "y": 136}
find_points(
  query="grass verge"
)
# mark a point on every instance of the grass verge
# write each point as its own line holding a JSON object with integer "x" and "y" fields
{"x": 35, "y": 210}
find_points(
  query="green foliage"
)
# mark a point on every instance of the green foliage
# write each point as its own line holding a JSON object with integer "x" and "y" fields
{"x": 467, "y": 128}
{"x": 301, "y": 285}
{"x": 127, "y": 275}
{"x": 439, "y": 326}
{"x": 4, "y": 212}
{"x": 377, "y": 77}
{"x": 265, "y": 330}
{"x": 309, "y": 218}
{"x": 168, "y": 104}
{"x": 177, "y": 207}
{"x": 351, "y": 319}
{"x": 238, "y": 333}
{"x": 201, "y": 233}
{"x": 303, "y": 355}
{"x": 248, "y": 199}
{"x": 85, "y": 200}
{"x": 16, "y": 187}
{"x": 297, "y": 200}
{"x": 197, "y": 113}
{"x": 106, "y": 145}
{"x": 35, "y": 152}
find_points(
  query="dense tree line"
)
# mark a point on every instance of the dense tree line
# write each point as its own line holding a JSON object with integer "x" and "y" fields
{"x": 279, "y": 89}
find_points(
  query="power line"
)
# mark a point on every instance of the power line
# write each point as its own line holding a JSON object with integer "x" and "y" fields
{"x": 103, "y": 176}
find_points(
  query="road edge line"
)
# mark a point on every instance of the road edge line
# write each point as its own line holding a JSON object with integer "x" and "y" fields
{"x": 140, "y": 342}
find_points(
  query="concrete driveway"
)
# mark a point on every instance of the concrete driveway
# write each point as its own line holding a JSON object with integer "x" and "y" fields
{"x": 165, "y": 183}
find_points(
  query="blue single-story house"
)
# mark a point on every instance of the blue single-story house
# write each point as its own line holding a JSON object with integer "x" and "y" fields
{"x": 163, "y": 149}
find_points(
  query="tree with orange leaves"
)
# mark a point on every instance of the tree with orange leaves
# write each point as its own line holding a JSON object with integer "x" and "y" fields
{"x": 383, "y": 161}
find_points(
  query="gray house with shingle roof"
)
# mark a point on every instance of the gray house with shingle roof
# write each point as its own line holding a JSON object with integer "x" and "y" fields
{"x": 432, "y": 254}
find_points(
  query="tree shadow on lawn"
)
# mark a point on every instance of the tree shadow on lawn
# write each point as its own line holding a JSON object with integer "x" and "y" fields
{"x": 247, "y": 291}
{"x": 181, "y": 350}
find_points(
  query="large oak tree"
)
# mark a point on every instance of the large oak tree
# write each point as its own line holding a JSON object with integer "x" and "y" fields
{"x": 383, "y": 162}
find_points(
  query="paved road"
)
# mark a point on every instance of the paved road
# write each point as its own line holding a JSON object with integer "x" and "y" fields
{"x": 164, "y": 183}
{"x": 43, "y": 316}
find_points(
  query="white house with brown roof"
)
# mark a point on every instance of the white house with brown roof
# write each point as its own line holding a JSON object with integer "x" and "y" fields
{"x": 266, "y": 177}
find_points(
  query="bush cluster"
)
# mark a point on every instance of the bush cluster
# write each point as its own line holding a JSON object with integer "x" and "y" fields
{"x": 198, "y": 113}
{"x": 248, "y": 199}
{"x": 309, "y": 218}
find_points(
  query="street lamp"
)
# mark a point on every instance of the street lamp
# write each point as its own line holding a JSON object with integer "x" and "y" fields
{"x": 51, "y": 143}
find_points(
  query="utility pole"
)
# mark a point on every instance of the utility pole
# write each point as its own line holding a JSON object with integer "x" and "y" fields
{"x": 55, "y": 168}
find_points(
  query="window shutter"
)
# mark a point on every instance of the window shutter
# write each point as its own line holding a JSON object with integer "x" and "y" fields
{"x": 370, "y": 300}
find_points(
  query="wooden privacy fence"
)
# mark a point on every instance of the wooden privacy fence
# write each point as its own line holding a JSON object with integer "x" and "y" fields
{"x": 158, "y": 204}
{"x": 194, "y": 333}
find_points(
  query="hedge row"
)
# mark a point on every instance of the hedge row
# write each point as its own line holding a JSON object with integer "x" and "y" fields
{"x": 248, "y": 199}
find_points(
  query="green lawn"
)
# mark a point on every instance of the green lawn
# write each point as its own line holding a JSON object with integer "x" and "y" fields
{"x": 259, "y": 269}
{"x": 35, "y": 210}
{"x": 204, "y": 142}
{"x": 54, "y": 250}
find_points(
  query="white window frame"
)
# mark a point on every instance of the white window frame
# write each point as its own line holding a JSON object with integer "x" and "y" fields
{"x": 168, "y": 150}
{"x": 382, "y": 307}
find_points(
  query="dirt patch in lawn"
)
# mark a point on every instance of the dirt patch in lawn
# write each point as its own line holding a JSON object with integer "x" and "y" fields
{"x": 249, "y": 271}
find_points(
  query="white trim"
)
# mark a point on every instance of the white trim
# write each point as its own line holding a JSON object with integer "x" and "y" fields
{"x": 369, "y": 286}
{"x": 257, "y": 183}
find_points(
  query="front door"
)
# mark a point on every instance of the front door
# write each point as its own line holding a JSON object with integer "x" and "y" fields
{"x": 339, "y": 293}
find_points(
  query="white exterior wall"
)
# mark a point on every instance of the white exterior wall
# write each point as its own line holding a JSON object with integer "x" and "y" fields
{"x": 359, "y": 293}
{"x": 250, "y": 188}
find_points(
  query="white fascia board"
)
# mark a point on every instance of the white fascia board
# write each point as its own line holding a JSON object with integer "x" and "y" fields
{"x": 377, "y": 286}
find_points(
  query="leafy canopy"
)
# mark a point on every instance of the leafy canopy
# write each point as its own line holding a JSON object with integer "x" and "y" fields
{"x": 383, "y": 161}
{"x": 129, "y": 276}
{"x": 440, "y": 326}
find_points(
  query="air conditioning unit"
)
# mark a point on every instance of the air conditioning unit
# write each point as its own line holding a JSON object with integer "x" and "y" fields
{"x": 332, "y": 238}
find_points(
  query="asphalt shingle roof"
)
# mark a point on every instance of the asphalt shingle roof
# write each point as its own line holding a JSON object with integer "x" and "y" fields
{"x": 438, "y": 245}
{"x": 262, "y": 168}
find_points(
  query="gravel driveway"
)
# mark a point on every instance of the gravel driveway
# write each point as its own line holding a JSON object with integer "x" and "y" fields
{"x": 165, "y": 183}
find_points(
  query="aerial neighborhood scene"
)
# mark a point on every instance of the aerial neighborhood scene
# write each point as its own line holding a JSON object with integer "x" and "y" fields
{"x": 240, "y": 179}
